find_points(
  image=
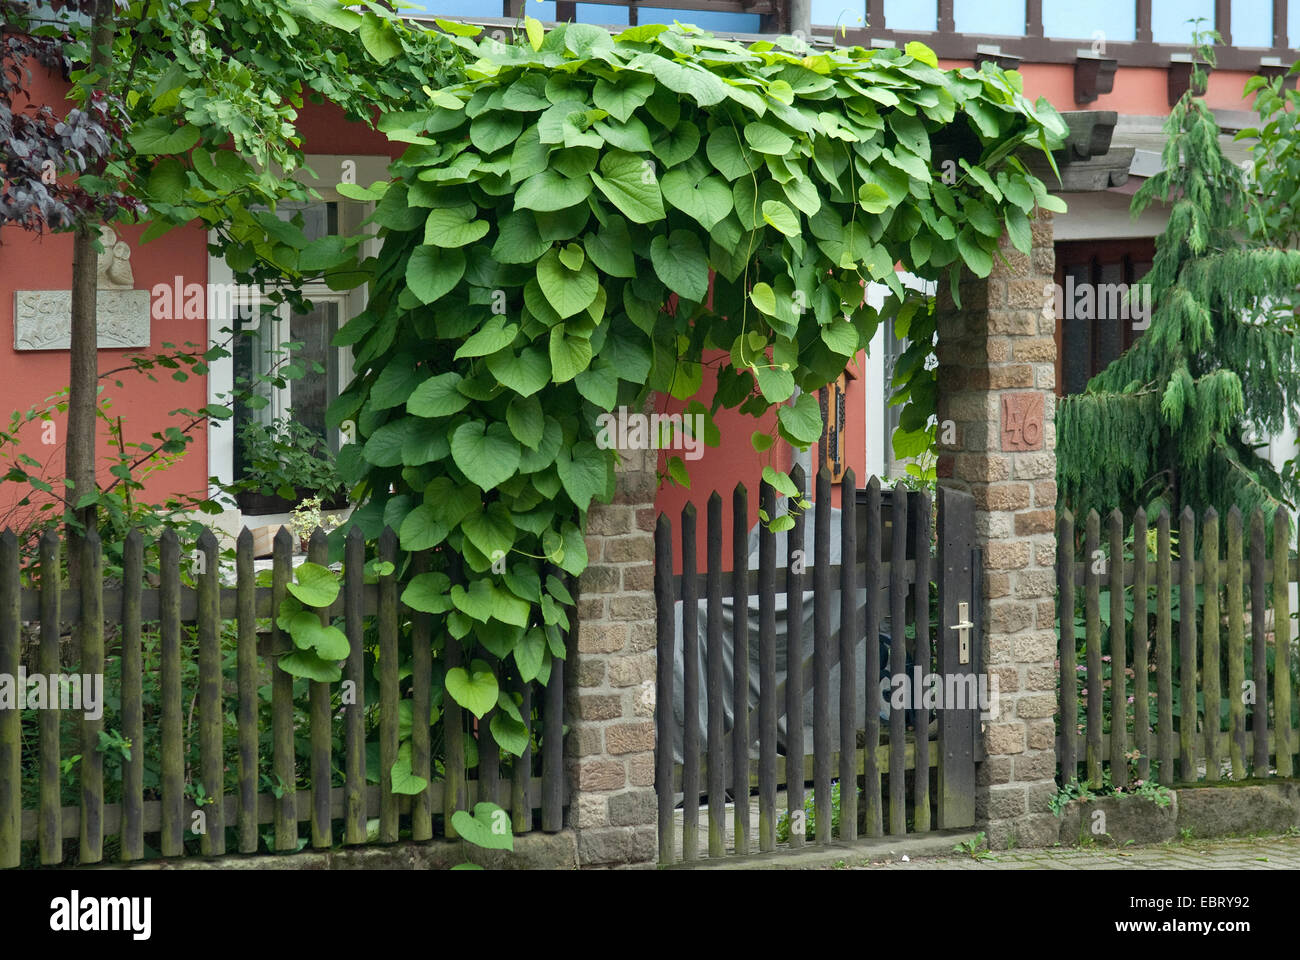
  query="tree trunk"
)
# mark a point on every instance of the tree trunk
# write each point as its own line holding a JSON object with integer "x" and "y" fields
{"x": 83, "y": 372}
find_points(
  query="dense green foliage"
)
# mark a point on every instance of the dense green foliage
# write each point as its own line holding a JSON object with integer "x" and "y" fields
{"x": 576, "y": 220}
{"x": 196, "y": 123}
{"x": 1274, "y": 212}
{"x": 584, "y": 217}
{"x": 1177, "y": 419}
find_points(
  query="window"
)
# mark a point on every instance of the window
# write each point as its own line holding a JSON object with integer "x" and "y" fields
{"x": 1095, "y": 321}
{"x": 263, "y": 340}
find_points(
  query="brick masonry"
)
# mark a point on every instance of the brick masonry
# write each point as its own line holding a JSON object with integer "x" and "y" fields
{"x": 610, "y": 678}
{"x": 996, "y": 365}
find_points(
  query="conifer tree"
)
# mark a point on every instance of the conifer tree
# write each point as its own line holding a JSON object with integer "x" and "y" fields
{"x": 1176, "y": 420}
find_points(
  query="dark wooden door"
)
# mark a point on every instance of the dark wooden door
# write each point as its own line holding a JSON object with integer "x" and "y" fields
{"x": 958, "y": 656}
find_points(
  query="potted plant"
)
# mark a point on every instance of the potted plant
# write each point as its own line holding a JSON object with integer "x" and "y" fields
{"x": 286, "y": 462}
{"x": 307, "y": 517}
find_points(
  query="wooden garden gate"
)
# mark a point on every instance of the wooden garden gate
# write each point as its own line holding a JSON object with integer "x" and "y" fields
{"x": 729, "y": 618}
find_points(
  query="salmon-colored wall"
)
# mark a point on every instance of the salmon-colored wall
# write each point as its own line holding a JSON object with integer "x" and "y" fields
{"x": 28, "y": 262}
{"x": 1138, "y": 91}
{"x": 735, "y": 461}
{"x": 31, "y": 262}
{"x": 44, "y": 262}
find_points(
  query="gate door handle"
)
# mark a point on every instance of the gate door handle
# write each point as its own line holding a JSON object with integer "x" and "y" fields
{"x": 963, "y": 627}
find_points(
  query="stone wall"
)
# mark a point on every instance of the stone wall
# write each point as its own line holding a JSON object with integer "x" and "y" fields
{"x": 610, "y": 678}
{"x": 996, "y": 379}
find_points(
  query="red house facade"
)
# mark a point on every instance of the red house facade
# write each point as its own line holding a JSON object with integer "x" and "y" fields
{"x": 1096, "y": 241}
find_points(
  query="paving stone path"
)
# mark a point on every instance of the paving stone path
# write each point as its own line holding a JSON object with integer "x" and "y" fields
{"x": 1250, "y": 853}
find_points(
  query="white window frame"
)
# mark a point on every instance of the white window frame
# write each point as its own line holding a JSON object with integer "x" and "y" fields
{"x": 221, "y": 372}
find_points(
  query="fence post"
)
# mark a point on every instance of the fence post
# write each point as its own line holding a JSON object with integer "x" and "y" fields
{"x": 11, "y": 820}
{"x": 997, "y": 437}
{"x": 609, "y": 677}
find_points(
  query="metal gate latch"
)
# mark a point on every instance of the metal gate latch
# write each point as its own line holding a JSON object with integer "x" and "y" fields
{"x": 963, "y": 626}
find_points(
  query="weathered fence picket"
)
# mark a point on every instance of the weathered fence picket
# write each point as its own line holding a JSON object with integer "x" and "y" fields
{"x": 871, "y": 546}
{"x": 206, "y": 660}
{"x": 1282, "y": 660}
{"x": 690, "y": 687}
{"x": 1192, "y": 696}
{"x": 794, "y": 587}
{"x": 883, "y": 552}
{"x": 10, "y": 729}
{"x": 740, "y": 666}
{"x": 767, "y": 675}
{"x": 1236, "y": 651}
{"x": 822, "y": 659}
{"x": 848, "y": 656}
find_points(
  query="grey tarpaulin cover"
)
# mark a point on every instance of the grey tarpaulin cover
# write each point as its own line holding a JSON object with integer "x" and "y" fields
{"x": 728, "y": 669}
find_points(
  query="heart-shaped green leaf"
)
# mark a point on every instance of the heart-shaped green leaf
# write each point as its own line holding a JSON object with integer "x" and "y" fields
{"x": 680, "y": 262}
{"x": 492, "y": 531}
{"x": 317, "y": 586}
{"x": 403, "y": 780}
{"x": 305, "y": 663}
{"x": 432, "y": 273}
{"x": 509, "y": 733}
{"x": 476, "y": 689}
{"x": 528, "y": 653}
{"x": 487, "y": 455}
{"x": 630, "y": 183}
{"x": 421, "y": 529}
{"x": 488, "y": 828}
{"x": 428, "y": 593}
{"x": 585, "y": 472}
{"x": 567, "y": 290}
{"x": 526, "y": 421}
{"x": 801, "y": 421}
{"x": 437, "y": 397}
{"x": 708, "y": 200}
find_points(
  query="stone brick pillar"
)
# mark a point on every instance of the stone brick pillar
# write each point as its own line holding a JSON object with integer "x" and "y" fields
{"x": 610, "y": 678}
{"x": 996, "y": 382}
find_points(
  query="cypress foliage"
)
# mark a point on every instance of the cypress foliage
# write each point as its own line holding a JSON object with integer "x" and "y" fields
{"x": 1176, "y": 420}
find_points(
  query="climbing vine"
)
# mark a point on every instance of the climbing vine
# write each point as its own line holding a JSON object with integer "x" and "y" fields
{"x": 585, "y": 216}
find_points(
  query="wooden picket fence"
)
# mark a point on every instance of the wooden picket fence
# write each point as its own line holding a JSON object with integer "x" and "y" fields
{"x": 887, "y": 553}
{"x": 1258, "y": 736}
{"x": 143, "y": 610}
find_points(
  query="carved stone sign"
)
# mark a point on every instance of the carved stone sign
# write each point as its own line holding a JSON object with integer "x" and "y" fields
{"x": 43, "y": 319}
{"x": 1022, "y": 421}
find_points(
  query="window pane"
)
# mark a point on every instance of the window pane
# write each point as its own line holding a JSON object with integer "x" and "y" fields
{"x": 254, "y": 354}
{"x": 721, "y": 21}
{"x": 912, "y": 14}
{"x": 1252, "y": 23}
{"x": 1077, "y": 336}
{"x": 844, "y": 13}
{"x": 1169, "y": 20}
{"x": 1110, "y": 326}
{"x": 312, "y": 393}
{"x": 990, "y": 17}
{"x": 601, "y": 13}
{"x": 1083, "y": 19}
